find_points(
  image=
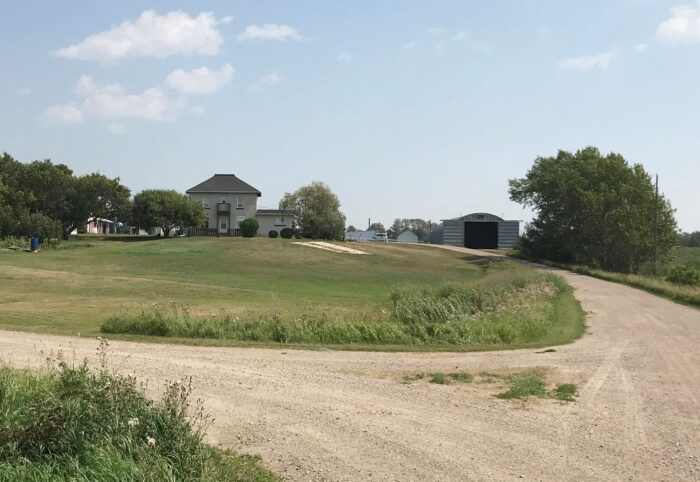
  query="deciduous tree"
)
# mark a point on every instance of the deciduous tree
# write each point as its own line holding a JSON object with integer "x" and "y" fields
{"x": 595, "y": 210}
{"x": 165, "y": 209}
{"x": 317, "y": 211}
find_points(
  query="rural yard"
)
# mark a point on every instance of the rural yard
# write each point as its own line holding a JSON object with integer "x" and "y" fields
{"x": 325, "y": 414}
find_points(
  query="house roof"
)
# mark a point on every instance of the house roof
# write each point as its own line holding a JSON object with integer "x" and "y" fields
{"x": 273, "y": 211}
{"x": 223, "y": 183}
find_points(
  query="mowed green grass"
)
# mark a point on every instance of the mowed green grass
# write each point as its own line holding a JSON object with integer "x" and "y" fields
{"x": 72, "y": 291}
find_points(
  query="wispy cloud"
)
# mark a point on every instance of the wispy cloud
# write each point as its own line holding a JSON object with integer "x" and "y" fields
{"x": 113, "y": 102}
{"x": 151, "y": 35}
{"x": 23, "y": 91}
{"x": 270, "y": 31}
{"x": 408, "y": 45}
{"x": 264, "y": 82}
{"x": 345, "y": 58}
{"x": 589, "y": 62}
{"x": 683, "y": 27}
{"x": 200, "y": 81}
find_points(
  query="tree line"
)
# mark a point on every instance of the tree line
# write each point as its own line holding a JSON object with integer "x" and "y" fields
{"x": 48, "y": 200}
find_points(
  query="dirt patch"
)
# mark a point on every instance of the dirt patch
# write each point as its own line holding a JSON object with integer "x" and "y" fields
{"x": 331, "y": 247}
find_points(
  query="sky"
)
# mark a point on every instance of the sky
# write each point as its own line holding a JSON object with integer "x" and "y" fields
{"x": 410, "y": 109}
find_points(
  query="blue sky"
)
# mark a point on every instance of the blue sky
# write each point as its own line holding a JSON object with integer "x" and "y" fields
{"x": 406, "y": 109}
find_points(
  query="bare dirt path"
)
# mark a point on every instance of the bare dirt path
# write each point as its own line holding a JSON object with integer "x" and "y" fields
{"x": 325, "y": 415}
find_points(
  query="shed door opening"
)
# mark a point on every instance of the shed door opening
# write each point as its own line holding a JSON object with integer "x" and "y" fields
{"x": 481, "y": 235}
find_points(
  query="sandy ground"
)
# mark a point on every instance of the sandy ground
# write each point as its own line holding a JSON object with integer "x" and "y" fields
{"x": 331, "y": 247}
{"x": 326, "y": 415}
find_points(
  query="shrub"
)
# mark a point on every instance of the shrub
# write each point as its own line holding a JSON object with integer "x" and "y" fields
{"x": 76, "y": 424}
{"x": 287, "y": 233}
{"x": 38, "y": 224}
{"x": 684, "y": 276}
{"x": 249, "y": 227}
{"x": 273, "y": 233}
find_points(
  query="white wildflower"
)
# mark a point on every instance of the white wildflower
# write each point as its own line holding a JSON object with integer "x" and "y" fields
{"x": 133, "y": 422}
{"x": 150, "y": 441}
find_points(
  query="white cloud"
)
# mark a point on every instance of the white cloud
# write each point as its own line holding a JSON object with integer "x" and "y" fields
{"x": 117, "y": 129}
{"x": 642, "y": 47}
{"x": 200, "y": 81}
{"x": 24, "y": 91}
{"x": 270, "y": 31}
{"x": 682, "y": 27}
{"x": 269, "y": 80}
{"x": 461, "y": 35}
{"x": 151, "y": 35}
{"x": 69, "y": 113}
{"x": 112, "y": 102}
{"x": 408, "y": 45}
{"x": 589, "y": 62}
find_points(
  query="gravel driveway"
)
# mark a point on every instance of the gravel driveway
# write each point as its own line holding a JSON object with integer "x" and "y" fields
{"x": 327, "y": 415}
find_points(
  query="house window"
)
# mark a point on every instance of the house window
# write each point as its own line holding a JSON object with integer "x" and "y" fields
{"x": 239, "y": 203}
{"x": 280, "y": 221}
{"x": 223, "y": 225}
{"x": 222, "y": 200}
{"x": 205, "y": 202}
{"x": 239, "y": 220}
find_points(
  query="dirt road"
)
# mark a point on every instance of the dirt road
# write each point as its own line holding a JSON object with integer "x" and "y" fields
{"x": 324, "y": 415}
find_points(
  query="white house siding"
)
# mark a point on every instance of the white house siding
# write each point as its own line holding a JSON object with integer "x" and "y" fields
{"x": 249, "y": 200}
{"x": 268, "y": 222}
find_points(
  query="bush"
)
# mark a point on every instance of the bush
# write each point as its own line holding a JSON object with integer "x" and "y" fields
{"x": 684, "y": 276}
{"x": 273, "y": 233}
{"x": 37, "y": 224}
{"x": 287, "y": 233}
{"x": 76, "y": 424}
{"x": 249, "y": 228}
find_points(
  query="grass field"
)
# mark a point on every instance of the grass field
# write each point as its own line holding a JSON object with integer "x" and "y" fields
{"x": 76, "y": 289}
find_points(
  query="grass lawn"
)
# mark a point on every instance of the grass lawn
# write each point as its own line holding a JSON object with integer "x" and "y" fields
{"x": 75, "y": 289}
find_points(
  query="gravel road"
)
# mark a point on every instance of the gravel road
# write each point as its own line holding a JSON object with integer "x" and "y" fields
{"x": 328, "y": 415}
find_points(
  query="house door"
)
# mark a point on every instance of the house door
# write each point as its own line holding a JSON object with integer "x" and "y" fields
{"x": 223, "y": 225}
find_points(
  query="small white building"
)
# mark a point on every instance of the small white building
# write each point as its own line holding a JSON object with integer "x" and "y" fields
{"x": 360, "y": 235}
{"x": 407, "y": 236}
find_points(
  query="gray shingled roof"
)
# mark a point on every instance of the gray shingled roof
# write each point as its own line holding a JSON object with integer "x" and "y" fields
{"x": 223, "y": 183}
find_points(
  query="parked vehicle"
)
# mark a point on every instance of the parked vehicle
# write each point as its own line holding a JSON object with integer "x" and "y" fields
{"x": 381, "y": 237}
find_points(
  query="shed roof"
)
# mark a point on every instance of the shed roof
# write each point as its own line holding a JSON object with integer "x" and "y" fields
{"x": 274, "y": 212}
{"x": 223, "y": 183}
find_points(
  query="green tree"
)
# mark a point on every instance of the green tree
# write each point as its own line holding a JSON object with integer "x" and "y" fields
{"x": 595, "y": 210}
{"x": 689, "y": 240}
{"x": 165, "y": 209}
{"x": 351, "y": 228}
{"x": 377, "y": 227}
{"x": 317, "y": 211}
{"x": 421, "y": 227}
{"x": 97, "y": 196}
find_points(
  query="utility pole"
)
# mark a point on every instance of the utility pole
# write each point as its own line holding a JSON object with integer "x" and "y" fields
{"x": 656, "y": 222}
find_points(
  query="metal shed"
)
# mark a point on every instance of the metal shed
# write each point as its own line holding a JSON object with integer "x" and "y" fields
{"x": 481, "y": 231}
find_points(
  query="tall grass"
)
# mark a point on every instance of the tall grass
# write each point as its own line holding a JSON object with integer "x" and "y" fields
{"x": 76, "y": 424}
{"x": 689, "y": 295}
{"x": 509, "y": 305}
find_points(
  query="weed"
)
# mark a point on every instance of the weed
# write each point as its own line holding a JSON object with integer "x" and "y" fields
{"x": 524, "y": 385}
{"x": 439, "y": 378}
{"x": 71, "y": 423}
{"x": 565, "y": 391}
{"x": 462, "y": 377}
